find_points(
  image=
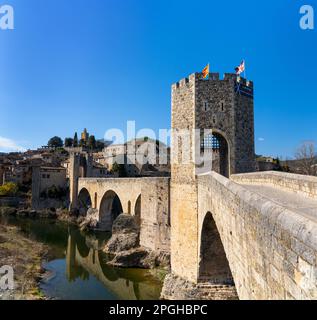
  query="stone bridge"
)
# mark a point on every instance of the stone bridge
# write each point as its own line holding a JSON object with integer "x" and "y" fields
{"x": 235, "y": 235}
{"x": 145, "y": 198}
{"x": 256, "y": 231}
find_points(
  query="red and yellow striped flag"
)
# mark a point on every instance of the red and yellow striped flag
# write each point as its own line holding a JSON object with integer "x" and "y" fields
{"x": 206, "y": 72}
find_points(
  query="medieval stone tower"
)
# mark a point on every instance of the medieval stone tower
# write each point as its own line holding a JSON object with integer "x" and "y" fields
{"x": 219, "y": 120}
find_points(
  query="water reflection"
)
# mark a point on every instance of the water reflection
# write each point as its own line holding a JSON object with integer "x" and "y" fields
{"x": 84, "y": 257}
{"x": 78, "y": 267}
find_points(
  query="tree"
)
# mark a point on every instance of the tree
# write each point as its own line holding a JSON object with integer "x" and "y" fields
{"x": 306, "y": 159}
{"x": 9, "y": 189}
{"x": 120, "y": 169}
{"x": 100, "y": 145}
{"x": 68, "y": 142}
{"x": 92, "y": 142}
{"x": 75, "y": 140}
{"x": 82, "y": 143}
{"x": 55, "y": 142}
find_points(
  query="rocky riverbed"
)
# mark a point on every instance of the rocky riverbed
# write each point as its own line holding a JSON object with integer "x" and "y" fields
{"x": 25, "y": 256}
{"x": 19, "y": 249}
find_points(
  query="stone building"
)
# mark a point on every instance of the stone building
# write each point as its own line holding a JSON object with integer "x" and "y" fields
{"x": 45, "y": 178}
{"x": 98, "y": 170}
{"x": 222, "y": 111}
{"x": 140, "y": 157}
{"x": 50, "y": 176}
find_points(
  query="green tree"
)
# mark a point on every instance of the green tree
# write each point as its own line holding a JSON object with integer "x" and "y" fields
{"x": 82, "y": 143}
{"x": 55, "y": 142}
{"x": 92, "y": 142}
{"x": 9, "y": 189}
{"x": 100, "y": 145}
{"x": 68, "y": 142}
{"x": 120, "y": 169}
{"x": 75, "y": 140}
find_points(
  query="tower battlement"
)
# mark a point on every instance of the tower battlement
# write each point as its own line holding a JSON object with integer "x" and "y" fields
{"x": 212, "y": 77}
{"x": 226, "y": 107}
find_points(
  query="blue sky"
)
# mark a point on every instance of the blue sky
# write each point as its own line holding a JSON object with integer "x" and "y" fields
{"x": 98, "y": 63}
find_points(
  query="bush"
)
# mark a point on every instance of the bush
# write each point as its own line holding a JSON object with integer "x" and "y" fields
{"x": 9, "y": 189}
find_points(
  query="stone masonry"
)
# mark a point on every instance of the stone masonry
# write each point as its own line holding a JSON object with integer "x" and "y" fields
{"x": 214, "y": 105}
{"x": 232, "y": 233}
{"x": 154, "y": 208}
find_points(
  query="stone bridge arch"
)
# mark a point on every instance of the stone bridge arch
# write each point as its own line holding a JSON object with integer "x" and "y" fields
{"x": 110, "y": 197}
{"x": 213, "y": 263}
{"x": 145, "y": 198}
{"x": 110, "y": 208}
{"x": 84, "y": 201}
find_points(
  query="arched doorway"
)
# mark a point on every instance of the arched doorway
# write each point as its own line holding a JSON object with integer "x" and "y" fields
{"x": 137, "y": 211}
{"x": 213, "y": 265}
{"x": 84, "y": 201}
{"x": 216, "y": 145}
{"x": 110, "y": 208}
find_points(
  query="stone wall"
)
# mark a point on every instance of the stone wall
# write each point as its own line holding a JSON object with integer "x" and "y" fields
{"x": 155, "y": 206}
{"x": 230, "y": 114}
{"x": 214, "y": 105}
{"x": 183, "y": 184}
{"x": 271, "y": 250}
{"x": 154, "y": 192}
{"x": 300, "y": 184}
{"x": 52, "y": 177}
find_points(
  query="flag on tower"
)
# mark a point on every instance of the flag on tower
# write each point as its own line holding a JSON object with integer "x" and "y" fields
{"x": 240, "y": 68}
{"x": 206, "y": 72}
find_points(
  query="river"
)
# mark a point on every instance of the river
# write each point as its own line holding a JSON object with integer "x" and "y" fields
{"x": 78, "y": 267}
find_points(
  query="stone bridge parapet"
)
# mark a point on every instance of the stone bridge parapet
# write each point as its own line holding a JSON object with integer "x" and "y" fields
{"x": 271, "y": 250}
{"x": 303, "y": 185}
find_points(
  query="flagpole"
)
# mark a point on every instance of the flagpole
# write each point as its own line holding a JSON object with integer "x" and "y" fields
{"x": 245, "y": 73}
{"x": 208, "y": 70}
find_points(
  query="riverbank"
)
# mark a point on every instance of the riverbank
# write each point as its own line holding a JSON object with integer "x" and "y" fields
{"x": 76, "y": 267}
{"x": 25, "y": 256}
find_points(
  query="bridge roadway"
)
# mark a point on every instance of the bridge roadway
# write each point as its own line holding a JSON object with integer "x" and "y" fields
{"x": 296, "y": 202}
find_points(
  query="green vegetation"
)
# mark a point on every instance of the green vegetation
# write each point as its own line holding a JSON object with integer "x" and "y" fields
{"x": 75, "y": 140}
{"x": 9, "y": 189}
{"x": 92, "y": 142}
{"x": 68, "y": 142}
{"x": 120, "y": 169}
{"x": 55, "y": 142}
